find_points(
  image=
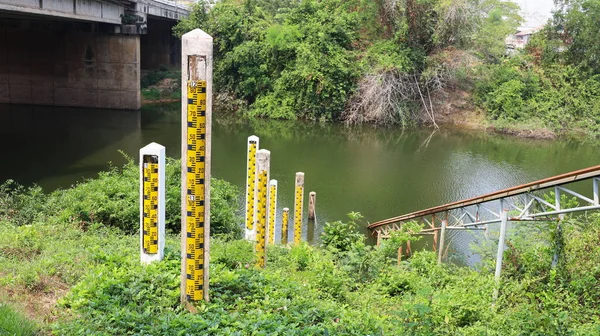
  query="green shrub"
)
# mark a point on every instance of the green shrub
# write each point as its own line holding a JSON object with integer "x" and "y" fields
{"x": 113, "y": 200}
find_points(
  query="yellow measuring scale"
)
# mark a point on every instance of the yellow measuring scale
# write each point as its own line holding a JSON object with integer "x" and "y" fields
{"x": 195, "y": 189}
{"x": 251, "y": 183}
{"x": 261, "y": 226}
{"x": 272, "y": 210}
{"x": 150, "y": 203}
{"x": 298, "y": 214}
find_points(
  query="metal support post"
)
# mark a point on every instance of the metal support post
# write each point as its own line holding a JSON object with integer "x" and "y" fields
{"x": 442, "y": 239}
{"x": 501, "y": 246}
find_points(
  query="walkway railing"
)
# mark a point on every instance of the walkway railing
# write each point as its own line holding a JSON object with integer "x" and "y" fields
{"x": 526, "y": 202}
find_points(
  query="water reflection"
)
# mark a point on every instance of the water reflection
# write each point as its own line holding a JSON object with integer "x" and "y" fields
{"x": 379, "y": 172}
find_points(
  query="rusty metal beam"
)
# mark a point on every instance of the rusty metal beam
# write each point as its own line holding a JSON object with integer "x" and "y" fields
{"x": 554, "y": 181}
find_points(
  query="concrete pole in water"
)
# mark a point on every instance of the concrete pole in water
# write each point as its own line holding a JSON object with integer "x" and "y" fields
{"x": 298, "y": 205}
{"x": 152, "y": 203}
{"x": 196, "y": 119}
{"x": 442, "y": 240}
{"x": 312, "y": 201}
{"x": 262, "y": 210}
{"x": 501, "y": 246}
{"x": 285, "y": 216}
{"x": 251, "y": 178}
{"x": 272, "y": 210}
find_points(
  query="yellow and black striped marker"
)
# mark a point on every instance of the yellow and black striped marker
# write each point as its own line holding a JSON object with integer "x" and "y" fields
{"x": 261, "y": 214}
{"x": 195, "y": 189}
{"x": 298, "y": 205}
{"x": 285, "y": 217}
{"x": 272, "y": 210}
{"x": 150, "y": 204}
{"x": 251, "y": 184}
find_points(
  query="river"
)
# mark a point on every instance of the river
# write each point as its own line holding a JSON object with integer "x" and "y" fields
{"x": 378, "y": 172}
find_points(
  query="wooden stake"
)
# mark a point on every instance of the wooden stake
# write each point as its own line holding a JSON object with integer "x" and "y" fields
{"x": 312, "y": 199}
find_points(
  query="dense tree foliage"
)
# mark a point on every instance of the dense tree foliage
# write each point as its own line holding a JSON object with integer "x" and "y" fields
{"x": 356, "y": 59}
{"x": 556, "y": 80}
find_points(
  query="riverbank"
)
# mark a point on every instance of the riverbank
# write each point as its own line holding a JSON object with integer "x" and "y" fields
{"x": 70, "y": 262}
{"x": 457, "y": 111}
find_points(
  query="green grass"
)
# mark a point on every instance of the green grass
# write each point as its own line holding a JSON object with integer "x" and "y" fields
{"x": 13, "y": 323}
{"x": 81, "y": 245}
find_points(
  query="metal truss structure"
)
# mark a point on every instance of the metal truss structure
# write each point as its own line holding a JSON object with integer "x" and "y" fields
{"x": 528, "y": 202}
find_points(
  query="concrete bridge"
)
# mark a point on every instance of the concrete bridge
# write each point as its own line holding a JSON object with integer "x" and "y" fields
{"x": 86, "y": 53}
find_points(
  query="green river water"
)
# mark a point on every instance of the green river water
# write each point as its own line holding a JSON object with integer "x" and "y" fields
{"x": 378, "y": 172}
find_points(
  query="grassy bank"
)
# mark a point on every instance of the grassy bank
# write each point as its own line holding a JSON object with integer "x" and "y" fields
{"x": 70, "y": 261}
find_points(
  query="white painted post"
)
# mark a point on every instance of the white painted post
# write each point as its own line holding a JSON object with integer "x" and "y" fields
{"x": 262, "y": 210}
{"x": 196, "y": 120}
{"x": 152, "y": 203}
{"x": 285, "y": 217}
{"x": 272, "y": 210}
{"x": 442, "y": 239}
{"x": 251, "y": 178}
{"x": 298, "y": 206}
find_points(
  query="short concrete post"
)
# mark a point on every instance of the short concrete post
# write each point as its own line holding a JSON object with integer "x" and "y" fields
{"x": 442, "y": 240}
{"x": 272, "y": 210}
{"x": 312, "y": 200}
{"x": 501, "y": 246}
{"x": 251, "y": 178}
{"x": 262, "y": 210}
{"x": 196, "y": 120}
{"x": 298, "y": 205}
{"x": 285, "y": 217}
{"x": 152, "y": 203}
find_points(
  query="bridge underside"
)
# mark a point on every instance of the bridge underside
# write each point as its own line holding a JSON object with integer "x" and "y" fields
{"x": 67, "y": 63}
{"x": 158, "y": 46}
{"x": 80, "y": 53}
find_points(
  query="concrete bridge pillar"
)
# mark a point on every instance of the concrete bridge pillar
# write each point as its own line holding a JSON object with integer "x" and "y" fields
{"x": 68, "y": 64}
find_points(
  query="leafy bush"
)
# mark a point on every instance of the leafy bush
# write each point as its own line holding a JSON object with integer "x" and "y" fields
{"x": 113, "y": 200}
{"x": 341, "y": 236}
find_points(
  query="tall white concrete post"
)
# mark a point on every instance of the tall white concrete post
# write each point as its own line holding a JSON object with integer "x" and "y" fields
{"x": 263, "y": 159}
{"x": 196, "y": 120}
{"x": 251, "y": 180}
{"x": 152, "y": 203}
